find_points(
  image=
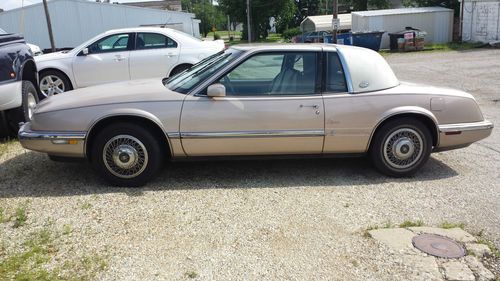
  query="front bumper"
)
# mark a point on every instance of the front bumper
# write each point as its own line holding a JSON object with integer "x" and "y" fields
{"x": 66, "y": 144}
{"x": 11, "y": 95}
{"x": 453, "y": 136}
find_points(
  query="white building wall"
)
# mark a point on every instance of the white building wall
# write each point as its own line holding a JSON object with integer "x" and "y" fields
{"x": 481, "y": 21}
{"x": 75, "y": 21}
{"x": 438, "y": 25}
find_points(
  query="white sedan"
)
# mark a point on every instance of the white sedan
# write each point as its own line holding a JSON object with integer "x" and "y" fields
{"x": 122, "y": 54}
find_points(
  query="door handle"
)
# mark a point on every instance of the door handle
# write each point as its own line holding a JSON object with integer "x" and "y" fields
{"x": 119, "y": 58}
{"x": 169, "y": 55}
{"x": 314, "y": 106}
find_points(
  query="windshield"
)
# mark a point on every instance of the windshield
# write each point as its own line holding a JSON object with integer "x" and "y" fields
{"x": 2, "y": 31}
{"x": 187, "y": 80}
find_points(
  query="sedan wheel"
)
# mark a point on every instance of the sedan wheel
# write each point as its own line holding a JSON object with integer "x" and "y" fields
{"x": 51, "y": 85}
{"x": 401, "y": 146}
{"x": 126, "y": 154}
{"x": 53, "y": 82}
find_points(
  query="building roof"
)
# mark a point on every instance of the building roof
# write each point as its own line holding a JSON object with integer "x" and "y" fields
{"x": 89, "y": 2}
{"x": 401, "y": 11}
{"x": 324, "y": 23}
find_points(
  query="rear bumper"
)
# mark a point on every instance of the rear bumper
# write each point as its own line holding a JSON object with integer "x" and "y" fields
{"x": 453, "y": 136}
{"x": 67, "y": 144}
{"x": 11, "y": 95}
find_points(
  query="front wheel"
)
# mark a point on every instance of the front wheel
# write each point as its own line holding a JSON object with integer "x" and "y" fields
{"x": 25, "y": 111}
{"x": 126, "y": 154}
{"x": 401, "y": 147}
{"x": 53, "y": 83}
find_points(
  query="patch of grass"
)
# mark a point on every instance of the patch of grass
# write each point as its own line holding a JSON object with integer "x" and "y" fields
{"x": 35, "y": 261}
{"x": 86, "y": 206}
{"x": 20, "y": 217}
{"x": 2, "y": 216}
{"x": 409, "y": 223}
{"x": 4, "y": 146}
{"x": 448, "y": 225}
{"x": 191, "y": 274}
{"x": 494, "y": 250}
{"x": 67, "y": 229}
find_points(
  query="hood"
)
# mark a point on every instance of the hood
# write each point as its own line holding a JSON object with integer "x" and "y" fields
{"x": 52, "y": 56}
{"x": 147, "y": 90}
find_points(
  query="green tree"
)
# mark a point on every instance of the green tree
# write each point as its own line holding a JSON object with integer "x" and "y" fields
{"x": 211, "y": 16}
{"x": 261, "y": 11}
{"x": 450, "y": 4}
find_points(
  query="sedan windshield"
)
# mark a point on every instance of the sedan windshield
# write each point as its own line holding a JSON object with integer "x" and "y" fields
{"x": 187, "y": 80}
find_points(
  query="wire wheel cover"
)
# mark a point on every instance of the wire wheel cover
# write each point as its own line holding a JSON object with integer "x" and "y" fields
{"x": 403, "y": 148}
{"x": 125, "y": 156}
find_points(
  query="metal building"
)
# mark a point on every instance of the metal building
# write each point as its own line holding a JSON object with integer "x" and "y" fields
{"x": 481, "y": 20}
{"x": 75, "y": 21}
{"x": 436, "y": 21}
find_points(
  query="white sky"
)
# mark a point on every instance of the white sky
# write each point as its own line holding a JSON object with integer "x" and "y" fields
{"x": 12, "y": 4}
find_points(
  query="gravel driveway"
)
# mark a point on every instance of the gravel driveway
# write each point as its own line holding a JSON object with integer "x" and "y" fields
{"x": 268, "y": 220}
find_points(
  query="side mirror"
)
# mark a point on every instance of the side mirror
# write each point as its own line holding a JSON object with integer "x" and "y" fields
{"x": 216, "y": 90}
{"x": 85, "y": 51}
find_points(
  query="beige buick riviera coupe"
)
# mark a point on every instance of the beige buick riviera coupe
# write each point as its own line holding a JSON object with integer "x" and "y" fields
{"x": 314, "y": 100}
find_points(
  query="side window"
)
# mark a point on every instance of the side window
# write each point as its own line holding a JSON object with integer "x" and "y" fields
{"x": 154, "y": 41}
{"x": 112, "y": 43}
{"x": 335, "y": 78}
{"x": 273, "y": 74}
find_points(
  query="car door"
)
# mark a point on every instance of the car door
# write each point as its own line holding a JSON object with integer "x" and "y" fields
{"x": 154, "y": 56}
{"x": 272, "y": 106}
{"x": 107, "y": 61}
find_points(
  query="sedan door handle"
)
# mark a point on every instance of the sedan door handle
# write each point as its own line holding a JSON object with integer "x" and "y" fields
{"x": 119, "y": 58}
{"x": 315, "y": 106}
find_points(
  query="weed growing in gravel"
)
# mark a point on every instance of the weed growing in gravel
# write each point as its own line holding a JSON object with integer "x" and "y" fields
{"x": 409, "y": 223}
{"x": 86, "y": 206}
{"x": 20, "y": 217}
{"x": 2, "y": 216}
{"x": 35, "y": 261}
{"x": 67, "y": 229}
{"x": 448, "y": 225}
{"x": 494, "y": 250}
{"x": 192, "y": 274}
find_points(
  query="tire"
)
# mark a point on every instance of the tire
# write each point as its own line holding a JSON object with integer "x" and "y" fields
{"x": 25, "y": 111}
{"x": 401, "y": 147}
{"x": 179, "y": 69}
{"x": 53, "y": 82}
{"x": 136, "y": 143}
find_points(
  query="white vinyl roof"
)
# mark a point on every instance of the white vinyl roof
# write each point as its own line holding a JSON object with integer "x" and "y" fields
{"x": 324, "y": 23}
{"x": 401, "y": 11}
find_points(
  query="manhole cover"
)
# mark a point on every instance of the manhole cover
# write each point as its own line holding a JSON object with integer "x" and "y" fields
{"x": 438, "y": 246}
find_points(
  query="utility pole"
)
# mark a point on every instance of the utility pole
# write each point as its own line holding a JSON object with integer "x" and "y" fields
{"x": 49, "y": 26}
{"x": 335, "y": 21}
{"x": 249, "y": 35}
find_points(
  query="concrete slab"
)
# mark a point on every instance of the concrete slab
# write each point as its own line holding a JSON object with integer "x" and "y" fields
{"x": 398, "y": 239}
{"x": 457, "y": 271}
{"x": 425, "y": 265}
{"x": 457, "y": 234}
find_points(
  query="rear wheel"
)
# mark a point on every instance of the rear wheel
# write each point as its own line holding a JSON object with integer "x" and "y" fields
{"x": 126, "y": 154}
{"x": 401, "y": 147}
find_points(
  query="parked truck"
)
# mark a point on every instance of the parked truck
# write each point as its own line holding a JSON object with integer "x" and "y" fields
{"x": 18, "y": 83}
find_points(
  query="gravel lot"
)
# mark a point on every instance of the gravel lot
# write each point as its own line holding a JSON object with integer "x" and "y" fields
{"x": 267, "y": 220}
